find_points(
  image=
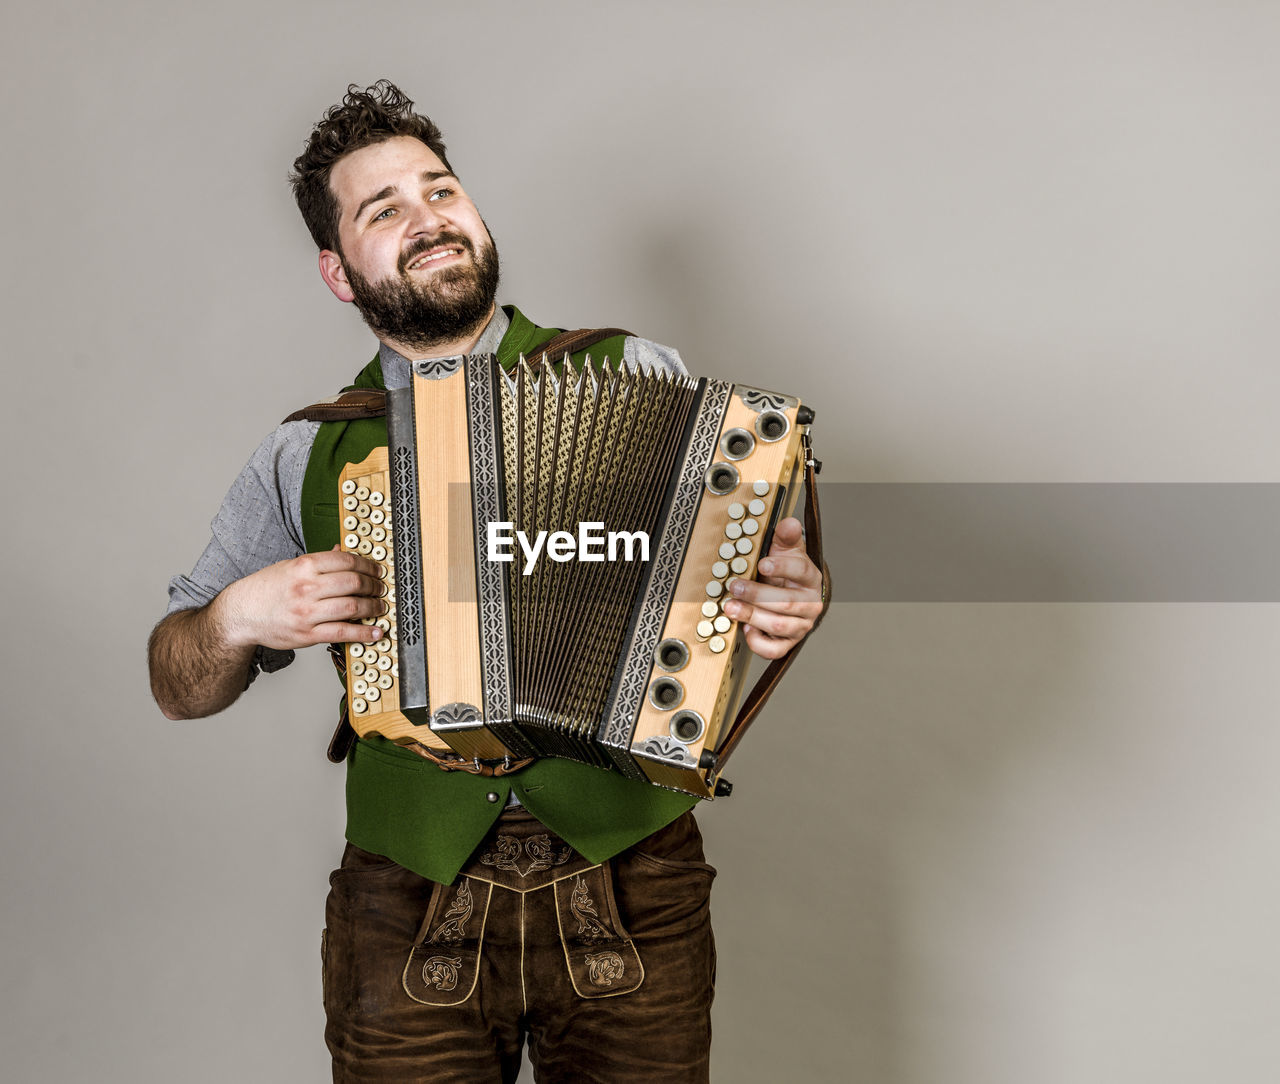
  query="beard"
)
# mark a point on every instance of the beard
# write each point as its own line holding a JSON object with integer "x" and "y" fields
{"x": 453, "y": 303}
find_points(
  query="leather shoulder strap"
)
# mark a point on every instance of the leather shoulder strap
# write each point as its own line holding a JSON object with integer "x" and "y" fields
{"x": 372, "y": 402}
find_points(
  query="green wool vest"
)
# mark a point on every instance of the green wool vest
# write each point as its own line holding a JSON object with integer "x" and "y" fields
{"x": 403, "y": 806}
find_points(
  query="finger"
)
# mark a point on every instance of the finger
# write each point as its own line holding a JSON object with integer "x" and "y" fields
{"x": 337, "y": 560}
{"x": 783, "y": 626}
{"x": 346, "y": 608}
{"x": 796, "y": 571}
{"x": 798, "y": 601}
{"x": 788, "y": 537}
{"x": 767, "y": 647}
{"x": 339, "y": 584}
{"x": 340, "y": 632}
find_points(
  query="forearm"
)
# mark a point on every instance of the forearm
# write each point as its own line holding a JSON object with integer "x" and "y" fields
{"x": 195, "y": 669}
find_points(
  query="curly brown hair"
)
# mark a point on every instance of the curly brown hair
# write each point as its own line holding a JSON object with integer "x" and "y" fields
{"x": 364, "y": 117}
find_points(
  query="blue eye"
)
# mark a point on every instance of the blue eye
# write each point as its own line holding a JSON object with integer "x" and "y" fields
{"x": 383, "y": 213}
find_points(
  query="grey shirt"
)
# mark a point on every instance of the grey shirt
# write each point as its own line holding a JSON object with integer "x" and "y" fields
{"x": 260, "y": 520}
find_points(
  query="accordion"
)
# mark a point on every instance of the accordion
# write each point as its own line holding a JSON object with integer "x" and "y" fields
{"x": 557, "y": 548}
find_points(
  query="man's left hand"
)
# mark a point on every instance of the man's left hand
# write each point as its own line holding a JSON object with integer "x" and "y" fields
{"x": 779, "y": 608}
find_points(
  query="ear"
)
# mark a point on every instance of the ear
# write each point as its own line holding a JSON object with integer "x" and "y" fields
{"x": 335, "y": 275}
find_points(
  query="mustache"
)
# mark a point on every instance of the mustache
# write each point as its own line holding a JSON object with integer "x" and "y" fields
{"x": 422, "y": 245}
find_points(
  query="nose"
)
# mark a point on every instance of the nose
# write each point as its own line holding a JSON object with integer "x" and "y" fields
{"x": 425, "y": 219}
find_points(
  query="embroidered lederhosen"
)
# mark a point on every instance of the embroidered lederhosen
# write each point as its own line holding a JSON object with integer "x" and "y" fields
{"x": 524, "y": 858}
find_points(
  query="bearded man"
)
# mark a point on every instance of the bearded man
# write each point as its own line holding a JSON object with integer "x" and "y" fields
{"x": 449, "y": 920}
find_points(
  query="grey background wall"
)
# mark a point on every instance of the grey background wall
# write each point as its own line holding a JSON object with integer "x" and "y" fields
{"x": 994, "y": 242}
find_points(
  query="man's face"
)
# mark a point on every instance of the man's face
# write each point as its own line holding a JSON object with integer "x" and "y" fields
{"x": 416, "y": 257}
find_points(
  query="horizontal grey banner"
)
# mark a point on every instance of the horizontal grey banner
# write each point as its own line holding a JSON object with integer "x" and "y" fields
{"x": 1038, "y": 542}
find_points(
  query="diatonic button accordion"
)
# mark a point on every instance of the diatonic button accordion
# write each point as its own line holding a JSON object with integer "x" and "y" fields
{"x": 558, "y": 548}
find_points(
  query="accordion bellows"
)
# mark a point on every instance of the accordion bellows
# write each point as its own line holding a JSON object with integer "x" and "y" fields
{"x": 563, "y": 546}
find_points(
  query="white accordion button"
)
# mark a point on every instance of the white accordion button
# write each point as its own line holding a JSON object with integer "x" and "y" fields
{"x": 350, "y": 503}
{"x": 365, "y": 548}
{"x": 733, "y": 530}
{"x": 350, "y": 523}
{"x": 373, "y": 694}
{"x": 348, "y": 487}
{"x": 736, "y": 511}
{"x": 376, "y": 499}
{"x": 377, "y": 515}
{"x": 739, "y": 565}
{"x": 359, "y": 686}
{"x": 378, "y": 534}
{"x": 356, "y": 650}
{"x": 710, "y": 609}
{"x": 378, "y": 553}
{"x": 716, "y": 643}
{"x": 760, "y": 487}
{"x": 750, "y": 526}
{"x": 351, "y": 541}
{"x": 719, "y": 570}
{"x": 363, "y": 510}
{"x": 362, "y": 493}
{"x": 726, "y": 550}
{"x": 756, "y": 507}
{"x": 745, "y": 545}
{"x": 715, "y": 589}
{"x": 359, "y": 706}
{"x": 385, "y": 681}
{"x": 705, "y": 629}
{"x": 722, "y": 624}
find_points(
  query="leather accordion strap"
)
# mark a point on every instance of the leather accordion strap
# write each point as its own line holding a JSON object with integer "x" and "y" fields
{"x": 768, "y": 681}
{"x": 372, "y": 402}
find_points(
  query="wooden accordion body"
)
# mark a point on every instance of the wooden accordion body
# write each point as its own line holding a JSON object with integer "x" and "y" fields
{"x": 588, "y": 645}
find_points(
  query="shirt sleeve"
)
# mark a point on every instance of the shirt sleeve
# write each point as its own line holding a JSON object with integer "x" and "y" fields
{"x": 258, "y": 524}
{"x": 651, "y": 355}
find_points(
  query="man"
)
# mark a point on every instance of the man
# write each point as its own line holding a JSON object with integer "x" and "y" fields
{"x": 450, "y": 922}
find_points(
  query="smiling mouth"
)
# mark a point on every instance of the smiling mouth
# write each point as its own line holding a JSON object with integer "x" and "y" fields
{"x": 427, "y": 258}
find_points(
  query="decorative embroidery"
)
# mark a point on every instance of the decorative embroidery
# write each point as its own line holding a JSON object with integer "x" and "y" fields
{"x": 507, "y": 853}
{"x": 442, "y": 972}
{"x": 604, "y": 967}
{"x": 455, "y": 919}
{"x": 590, "y": 928}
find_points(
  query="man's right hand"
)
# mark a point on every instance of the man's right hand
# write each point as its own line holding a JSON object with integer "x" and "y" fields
{"x": 201, "y": 660}
{"x": 317, "y": 598}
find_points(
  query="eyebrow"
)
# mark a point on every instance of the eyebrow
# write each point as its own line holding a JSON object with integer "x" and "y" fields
{"x": 428, "y": 176}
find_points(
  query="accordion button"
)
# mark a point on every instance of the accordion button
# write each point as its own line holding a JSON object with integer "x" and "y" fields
{"x": 745, "y": 545}
{"x": 376, "y": 499}
{"x": 378, "y": 534}
{"x": 348, "y": 487}
{"x": 733, "y": 530}
{"x": 719, "y": 570}
{"x": 715, "y": 589}
{"x": 717, "y": 644}
{"x": 373, "y": 694}
{"x": 350, "y": 523}
{"x": 365, "y": 548}
{"x": 359, "y": 686}
{"x": 760, "y": 487}
{"x": 350, "y": 503}
{"x": 356, "y": 650}
{"x": 359, "y": 706}
{"x": 362, "y": 493}
{"x": 377, "y": 515}
{"x": 709, "y": 609}
{"x": 739, "y": 565}
{"x": 351, "y": 541}
{"x": 378, "y": 553}
{"x": 736, "y": 511}
{"x": 750, "y": 526}
{"x": 384, "y": 681}
{"x": 383, "y": 624}
{"x": 363, "y": 510}
{"x": 370, "y": 657}
{"x": 384, "y": 661}
{"x": 756, "y": 507}
{"x": 722, "y": 624}
{"x": 727, "y": 550}
{"x": 705, "y": 629}
{"x": 363, "y": 529}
